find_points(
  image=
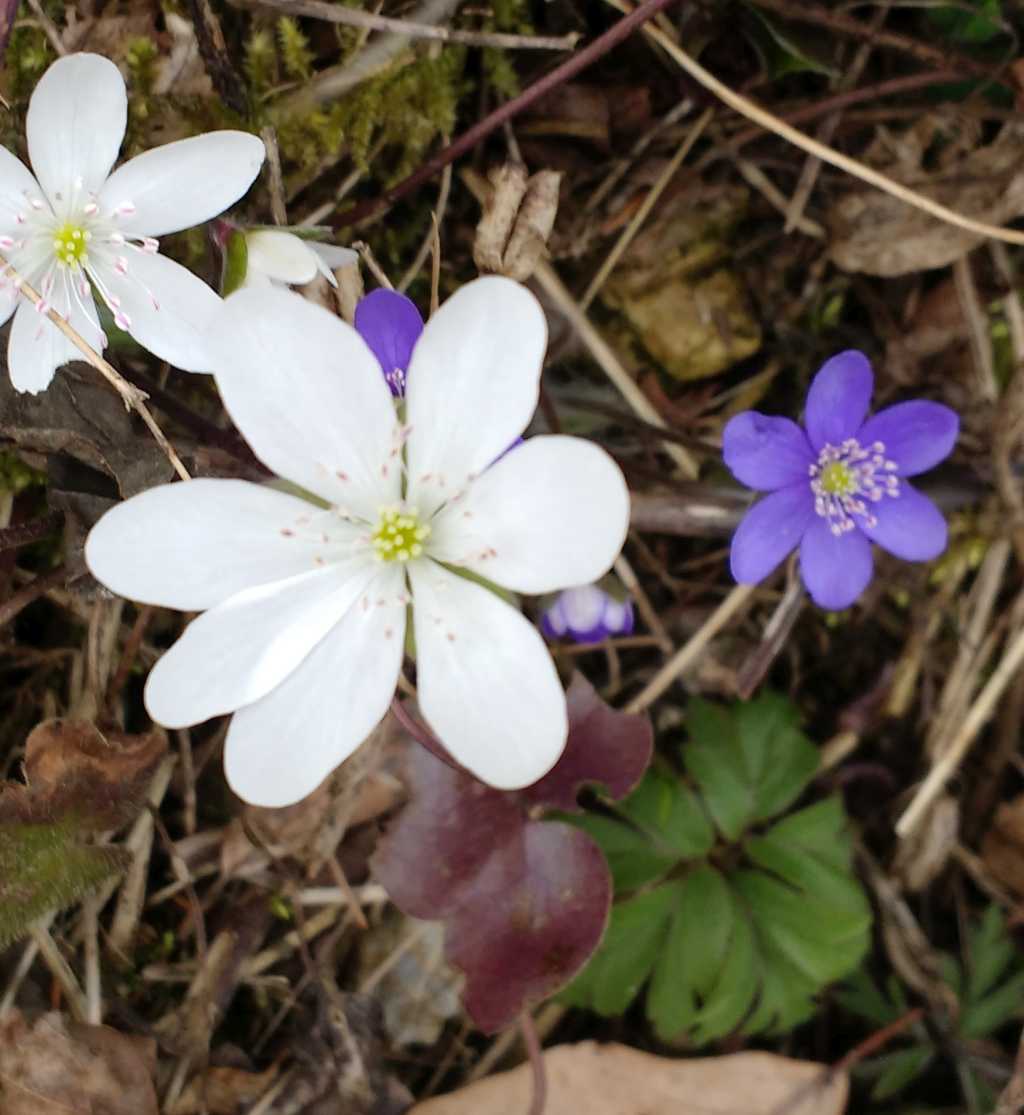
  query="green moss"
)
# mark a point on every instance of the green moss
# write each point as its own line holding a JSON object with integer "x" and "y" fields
{"x": 296, "y": 57}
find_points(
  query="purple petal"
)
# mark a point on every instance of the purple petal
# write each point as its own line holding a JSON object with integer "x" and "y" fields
{"x": 766, "y": 453}
{"x": 391, "y": 325}
{"x": 838, "y": 399}
{"x": 916, "y": 435}
{"x": 909, "y": 526}
{"x": 836, "y": 570}
{"x": 770, "y": 530}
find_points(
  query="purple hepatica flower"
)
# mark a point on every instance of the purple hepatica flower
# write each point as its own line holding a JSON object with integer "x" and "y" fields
{"x": 587, "y": 614}
{"x": 391, "y": 325}
{"x": 838, "y": 485}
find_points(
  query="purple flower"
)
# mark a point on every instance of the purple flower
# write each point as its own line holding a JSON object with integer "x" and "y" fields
{"x": 839, "y": 484}
{"x": 587, "y": 614}
{"x": 391, "y": 325}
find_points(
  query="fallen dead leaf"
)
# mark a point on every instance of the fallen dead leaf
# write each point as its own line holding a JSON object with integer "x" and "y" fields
{"x": 876, "y": 234}
{"x": 223, "y": 1090}
{"x": 56, "y": 1067}
{"x": 1003, "y": 846}
{"x": 617, "y": 1080}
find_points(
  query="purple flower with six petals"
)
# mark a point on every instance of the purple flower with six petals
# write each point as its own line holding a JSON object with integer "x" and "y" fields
{"x": 839, "y": 484}
{"x": 391, "y": 325}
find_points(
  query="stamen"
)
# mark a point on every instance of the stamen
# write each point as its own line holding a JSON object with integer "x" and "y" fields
{"x": 845, "y": 481}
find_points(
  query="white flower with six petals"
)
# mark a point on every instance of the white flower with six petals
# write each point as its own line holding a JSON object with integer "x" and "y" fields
{"x": 74, "y": 230}
{"x": 305, "y": 604}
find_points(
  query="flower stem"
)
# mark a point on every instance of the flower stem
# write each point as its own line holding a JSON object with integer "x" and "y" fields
{"x": 536, "y": 1055}
{"x": 422, "y": 734}
{"x": 132, "y": 397}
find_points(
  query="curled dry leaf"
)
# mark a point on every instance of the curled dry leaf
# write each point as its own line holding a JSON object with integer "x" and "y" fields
{"x": 1002, "y": 848}
{"x": 53, "y": 1066}
{"x": 517, "y": 220}
{"x": 616, "y": 1080}
{"x": 77, "y": 783}
{"x": 525, "y": 901}
{"x": 223, "y": 1090}
{"x": 876, "y": 234}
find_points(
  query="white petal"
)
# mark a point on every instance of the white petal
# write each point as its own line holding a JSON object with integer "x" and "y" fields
{"x": 553, "y": 512}
{"x": 168, "y": 308}
{"x": 308, "y": 396}
{"x": 280, "y": 748}
{"x": 184, "y": 183}
{"x": 36, "y": 349}
{"x": 75, "y": 124}
{"x": 281, "y": 256}
{"x": 16, "y": 187}
{"x": 487, "y": 685}
{"x": 237, "y": 652}
{"x": 194, "y": 545}
{"x": 329, "y": 257}
{"x": 9, "y": 302}
{"x": 472, "y": 385}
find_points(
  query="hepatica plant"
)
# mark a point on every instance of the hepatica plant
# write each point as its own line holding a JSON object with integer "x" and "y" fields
{"x": 732, "y": 915}
{"x": 417, "y": 509}
{"x": 838, "y": 484}
{"x": 76, "y": 232}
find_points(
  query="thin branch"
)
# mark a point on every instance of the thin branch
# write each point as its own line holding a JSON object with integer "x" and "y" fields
{"x": 687, "y": 654}
{"x": 130, "y": 396}
{"x": 354, "y": 17}
{"x": 978, "y": 714}
{"x": 494, "y": 120}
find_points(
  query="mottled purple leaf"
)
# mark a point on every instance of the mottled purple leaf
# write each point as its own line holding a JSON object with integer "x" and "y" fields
{"x": 525, "y": 901}
{"x": 605, "y": 746}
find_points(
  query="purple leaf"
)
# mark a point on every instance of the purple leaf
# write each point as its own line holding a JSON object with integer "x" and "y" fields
{"x": 605, "y": 746}
{"x": 525, "y": 901}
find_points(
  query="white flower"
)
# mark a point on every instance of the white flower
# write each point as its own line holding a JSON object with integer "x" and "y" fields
{"x": 74, "y": 230}
{"x": 274, "y": 256}
{"x": 304, "y": 634}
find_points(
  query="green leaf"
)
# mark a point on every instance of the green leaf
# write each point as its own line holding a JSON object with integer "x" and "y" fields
{"x": 784, "y": 50}
{"x": 727, "y": 793}
{"x": 694, "y": 951}
{"x": 862, "y": 996}
{"x": 750, "y": 764}
{"x": 44, "y": 867}
{"x": 668, "y": 810}
{"x": 899, "y": 1069}
{"x": 991, "y": 952}
{"x": 966, "y": 27}
{"x": 822, "y": 941}
{"x": 631, "y": 946}
{"x": 730, "y": 999}
{"x": 978, "y": 1020}
{"x": 786, "y": 995}
{"x": 632, "y": 858}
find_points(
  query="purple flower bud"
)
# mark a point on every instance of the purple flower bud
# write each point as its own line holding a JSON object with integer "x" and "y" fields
{"x": 391, "y": 325}
{"x": 839, "y": 484}
{"x": 587, "y": 614}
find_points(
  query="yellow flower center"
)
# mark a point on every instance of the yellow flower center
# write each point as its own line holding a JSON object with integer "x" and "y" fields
{"x": 70, "y": 242}
{"x": 400, "y": 535}
{"x": 837, "y": 479}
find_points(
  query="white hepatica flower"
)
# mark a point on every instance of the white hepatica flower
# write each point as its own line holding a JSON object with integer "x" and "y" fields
{"x": 274, "y": 256}
{"x": 74, "y": 230}
{"x": 304, "y": 634}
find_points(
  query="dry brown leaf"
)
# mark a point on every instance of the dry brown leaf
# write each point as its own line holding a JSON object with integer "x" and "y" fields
{"x": 517, "y": 220}
{"x": 71, "y": 768}
{"x": 877, "y": 234}
{"x": 1003, "y": 846}
{"x": 223, "y": 1090}
{"x": 617, "y": 1080}
{"x": 56, "y": 1067}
